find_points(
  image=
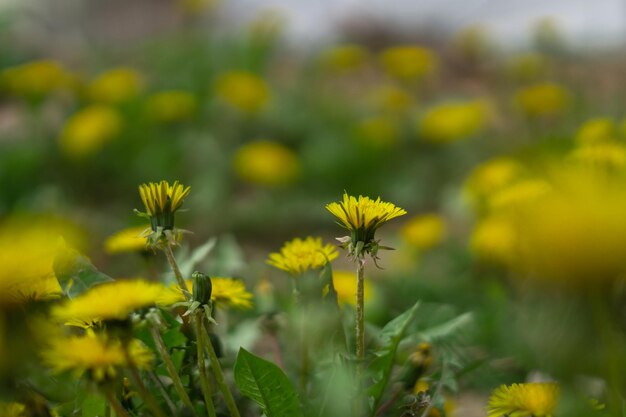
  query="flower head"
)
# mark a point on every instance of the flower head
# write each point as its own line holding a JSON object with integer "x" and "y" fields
{"x": 226, "y": 292}
{"x": 362, "y": 216}
{"x": 35, "y": 79}
{"x": 109, "y": 301}
{"x": 96, "y": 354}
{"x": 171, "y": 106}
{"x": 543, "y": 100}
{"x": 244, "y": 91}
{"x": 454, "y": 121}
{"x": 88, "y": 130}
{"x": 409, "y": 63}
{"x": 425, "y": 231}
{"x": 598, "y": 130}
{"x": 115, "y": 86}
{"x": 266, "y": 163}
{"x": 298, "y": 255}
{"x": 524, "y": 400}
{"x": 161, "y": 201}
{"x": 345, "y": 58}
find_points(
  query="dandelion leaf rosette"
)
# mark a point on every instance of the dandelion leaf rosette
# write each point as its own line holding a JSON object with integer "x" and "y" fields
{"x": 267, "y": 385}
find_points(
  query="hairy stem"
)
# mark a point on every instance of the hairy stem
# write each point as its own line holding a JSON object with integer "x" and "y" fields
{"x": 179, "y": 276}
{"x": 204, "y": 379}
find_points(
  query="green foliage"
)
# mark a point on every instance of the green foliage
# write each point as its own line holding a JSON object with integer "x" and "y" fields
{"x": 76, "y": 273}
{"x": 267, "y": 385}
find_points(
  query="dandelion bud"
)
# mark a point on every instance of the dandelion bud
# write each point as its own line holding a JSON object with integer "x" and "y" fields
{"x": 202, "y": 288}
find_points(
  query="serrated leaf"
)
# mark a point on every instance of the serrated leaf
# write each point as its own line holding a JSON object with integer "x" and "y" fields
{"x": 76, "y": 273}
{"x": 390, "y": 336}
{"x": 447, "y": 329}
{"x": 267, "y": 385}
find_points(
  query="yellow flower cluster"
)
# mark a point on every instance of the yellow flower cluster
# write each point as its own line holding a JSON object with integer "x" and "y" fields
{"x": 244, "y": 91}
{"x": 266, "y": 163}
{"x": 543, "y": 100}
{"x": 454, "y": 121}
{"x": 300, "y": 255}
{"x": 99, "y": 356}
{"x": 524, "y": 400}
{"x": 159, "y": 198}
{"x": 109, "y": 301}
{"x": 87, "y": 131}
{"x": 345, "y": 286}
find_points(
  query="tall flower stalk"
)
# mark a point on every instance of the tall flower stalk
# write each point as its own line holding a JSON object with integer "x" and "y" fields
{"x": 362, "y": 216}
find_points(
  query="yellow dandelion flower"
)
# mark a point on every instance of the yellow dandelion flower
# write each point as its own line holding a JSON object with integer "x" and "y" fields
{"x": 524, "y": 400}
{"x": 378, "y": 131}
{"x": 266, "y": 163}
{"x": 409, "y": 63}
{"x": 126, "y": 240}
{"x": 345, "y": 58}
{"x": 161, "y": 201}
{"x": 454, "y": 121}
{"x": 595, "y": 131}
{"x": 115, "y": 86}
{"x": 345, "y": 286}
{"x": 425, "y": 231}
{"x": 226, "y": 292}
{"x": 298, "y": 255}
{"x": 494, "y": 239}
{"x": 87, "y": 131}
{"x": 171, "y": 106}
{"x": 521, "y": 192}
{"x": 362, "y": 216}
{"x": 392, "y": 99}
{"x": 35, "y": 79}
{"x": 491, "y": 177}
{"x": 244, "y": 91}
{"x": 97, "y": 355}
{"x": 543, "y": 100}
{"x": 608, "y": 155}
{"x": 110, "y": 301}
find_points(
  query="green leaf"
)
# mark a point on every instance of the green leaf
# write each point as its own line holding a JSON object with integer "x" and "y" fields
{"x": 390, "y": 336}
{"x": 76, "y": 273}
{"x": 93, "y": 405}
{"x": 448, "y": 329}
{"x": 188, "y": 264}
{"x": 267, "y": 385}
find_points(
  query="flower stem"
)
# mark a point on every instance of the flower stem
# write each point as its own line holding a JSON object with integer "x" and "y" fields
{"x": 167, "y": 249}
{"x": 204, "y": 380}
{"x": 115, "y": 404}
{"x": 147, "y": 397}
{"x": 360, "y": 310}
{"x": 219, "y": 374}
{"x": 171, "y": 369}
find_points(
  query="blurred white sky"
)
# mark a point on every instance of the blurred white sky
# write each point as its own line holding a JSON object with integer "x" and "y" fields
{"x": 588, "y": 22}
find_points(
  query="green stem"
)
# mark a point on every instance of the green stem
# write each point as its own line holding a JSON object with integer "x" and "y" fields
{"x": 360, "y": 310}
{"x": 179, "y": 276}
{"x": 147, "y": 397}
{"x": 204, "y": 380}
{"x": 159, "y": 384}
{"x": 171, "y": 369}
{"x": 219, "y": 374}
{"x": 115, "y": 404}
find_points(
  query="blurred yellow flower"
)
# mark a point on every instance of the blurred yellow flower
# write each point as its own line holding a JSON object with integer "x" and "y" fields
{"x": 298, "y": 255}
{"x": 538, "y": 399}
{"x": 99, "y": 356}
{"x": 378, "y": 131}
{"x": 116, "y": 86}
{"x": 345, "y": 58}
{"x": 392, "y": 99}
{"x": 266, "y": 163}
{"x": 244, "y": 91}
{"x": 35, "y": 79}
{"x": 88, "y": 130}
{"x": 27, "y": 253}
{"x": 520, "y": 192}
{"x": 543, "y": 100}
{"x": 595, "y": 131}
{"x": 424, "y": 231}
{"x": 528, "y": 67}
{"x": 345, "y": 286}
{"x": 409, "y": 63}
{"x": 611, "y": 156}
{"x": 126, "y": 240}
{"x": 494, "y": 239}
{"x": 13, "y": 410}
{"x": 576, "y": 233}
{"x": 109, "y": 301}
{"x": 490, "y": 177}
{"x": 454, "y": 121}
{"x": 171, "y": 106}
{"x": 226, "y": 292}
